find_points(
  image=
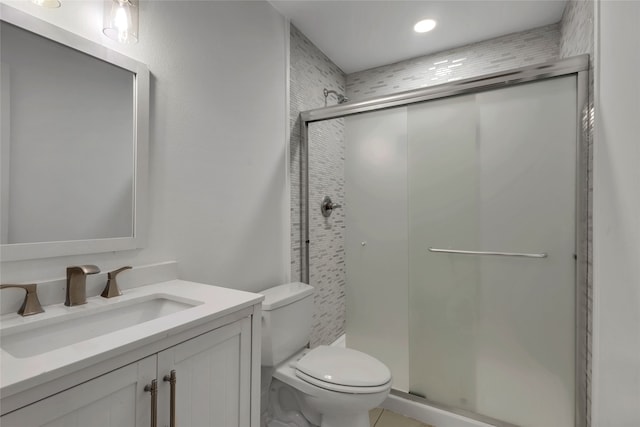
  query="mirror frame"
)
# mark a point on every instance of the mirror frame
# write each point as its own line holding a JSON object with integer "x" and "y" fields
{"x": 24, "y": 251}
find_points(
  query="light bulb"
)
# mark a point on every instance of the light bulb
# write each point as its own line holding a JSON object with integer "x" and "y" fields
{"x": 121, "y": 20}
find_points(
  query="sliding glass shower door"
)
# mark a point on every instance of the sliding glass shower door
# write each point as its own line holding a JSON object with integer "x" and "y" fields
{"x": 460, "y": 248}
{"x": 493, "y": 173}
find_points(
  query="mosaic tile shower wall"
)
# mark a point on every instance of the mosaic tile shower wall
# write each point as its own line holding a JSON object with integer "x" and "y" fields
{"x": 577, "y": 37}
{"x": 310, "y": 72}
{"x": 502, "y": 53}
{"x": 327, "y": 235}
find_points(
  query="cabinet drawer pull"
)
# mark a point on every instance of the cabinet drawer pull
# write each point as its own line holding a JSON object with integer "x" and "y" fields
{"x": 153, "y": 389}
{"x": 171, "y": 378}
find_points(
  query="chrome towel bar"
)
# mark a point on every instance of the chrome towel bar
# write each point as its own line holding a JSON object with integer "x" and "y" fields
{"x": 516, "y": 254}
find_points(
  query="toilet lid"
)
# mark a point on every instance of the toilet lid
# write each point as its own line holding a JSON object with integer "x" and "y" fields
{"x": 343, "y": 366}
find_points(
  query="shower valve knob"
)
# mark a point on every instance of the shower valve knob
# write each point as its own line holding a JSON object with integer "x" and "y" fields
{"x": 328, "y": 206}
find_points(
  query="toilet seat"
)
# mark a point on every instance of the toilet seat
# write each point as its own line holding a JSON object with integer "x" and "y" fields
{"x": 343, "y": 370}
{"x": 342, "y": 388}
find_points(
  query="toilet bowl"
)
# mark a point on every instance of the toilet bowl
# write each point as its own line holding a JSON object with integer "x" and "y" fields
{"x": 333, "y": 386}
{"x": 324, "y": 386}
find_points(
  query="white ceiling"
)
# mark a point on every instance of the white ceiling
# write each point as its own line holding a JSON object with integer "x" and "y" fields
{"x": 361, "y": 34}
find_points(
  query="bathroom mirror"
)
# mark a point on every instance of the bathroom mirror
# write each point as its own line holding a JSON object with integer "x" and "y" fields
{"x": 74, "y": 142}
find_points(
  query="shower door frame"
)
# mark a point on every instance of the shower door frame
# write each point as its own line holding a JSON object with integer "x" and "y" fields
{"x": 578, "y": 66}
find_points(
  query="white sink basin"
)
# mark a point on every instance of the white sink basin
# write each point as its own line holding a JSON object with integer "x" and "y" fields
{"x": 82, "y": 323}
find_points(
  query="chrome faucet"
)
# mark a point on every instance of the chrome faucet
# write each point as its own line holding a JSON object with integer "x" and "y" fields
{"x": 77, "y": 284}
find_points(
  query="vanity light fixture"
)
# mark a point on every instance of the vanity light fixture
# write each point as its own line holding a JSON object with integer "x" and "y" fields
{"x": 121, "y": 20}
{"x": 424, "y": 26}
{"x": 52, "y": 4}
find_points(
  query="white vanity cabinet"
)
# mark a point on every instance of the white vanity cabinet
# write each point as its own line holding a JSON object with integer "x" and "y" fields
{"x": 116, "y": 399}
{"x": 215, "y": 366}
{"x": 212, "y": 389}
{"x": 213, "y": 379}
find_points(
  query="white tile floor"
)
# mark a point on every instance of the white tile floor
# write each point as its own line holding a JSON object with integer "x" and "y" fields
{"x": 385, "y": 418}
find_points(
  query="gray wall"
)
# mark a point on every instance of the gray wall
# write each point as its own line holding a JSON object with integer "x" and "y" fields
{"x": 616, "y": 216}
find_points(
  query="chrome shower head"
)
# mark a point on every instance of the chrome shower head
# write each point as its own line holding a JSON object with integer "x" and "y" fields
{"x": 341, "y": 98}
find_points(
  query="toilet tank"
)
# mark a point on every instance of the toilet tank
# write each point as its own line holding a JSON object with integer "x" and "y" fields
{"x": 287, "y": 313}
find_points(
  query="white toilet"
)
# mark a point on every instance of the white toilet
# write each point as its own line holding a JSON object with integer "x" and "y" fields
{"x": 324, "y": 386}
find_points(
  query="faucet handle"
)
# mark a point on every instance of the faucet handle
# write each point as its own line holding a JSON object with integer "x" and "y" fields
{"x": 31, "y": 304}
{"x": 112, "y": 290}
{"x": 114, "y": 273}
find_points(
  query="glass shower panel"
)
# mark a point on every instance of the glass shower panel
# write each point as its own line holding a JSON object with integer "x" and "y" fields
{"x": 494, "y": 171}
{"x": 442, "y": 203}
{"x": 377, "y": 256}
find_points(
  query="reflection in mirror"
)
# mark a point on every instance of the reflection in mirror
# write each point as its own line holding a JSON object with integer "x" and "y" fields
{"x": 73, "y": 143}
{"x": 70, "y": 118}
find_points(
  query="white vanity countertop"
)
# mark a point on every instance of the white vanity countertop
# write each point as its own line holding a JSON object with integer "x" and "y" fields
{"x": 21, "y": 373}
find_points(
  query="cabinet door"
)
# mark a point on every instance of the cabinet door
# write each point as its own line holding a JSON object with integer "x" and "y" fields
{"x": 116, "y": 399}
{"x": 213, "y": 379}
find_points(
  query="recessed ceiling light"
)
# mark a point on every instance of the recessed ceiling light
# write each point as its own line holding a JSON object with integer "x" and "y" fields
{"x": 424, "y": 26}
{"x": 47, "y": 3}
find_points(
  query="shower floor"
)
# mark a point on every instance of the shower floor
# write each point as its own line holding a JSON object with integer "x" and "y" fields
{"x": 379, "y": 417}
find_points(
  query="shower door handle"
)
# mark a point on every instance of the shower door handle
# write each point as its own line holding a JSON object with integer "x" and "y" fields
{"x": 514, "y": 254}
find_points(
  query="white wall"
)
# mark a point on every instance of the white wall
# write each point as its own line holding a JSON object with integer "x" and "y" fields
{"x": 616, "y": 220}
{"x": 218, "y": 197}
